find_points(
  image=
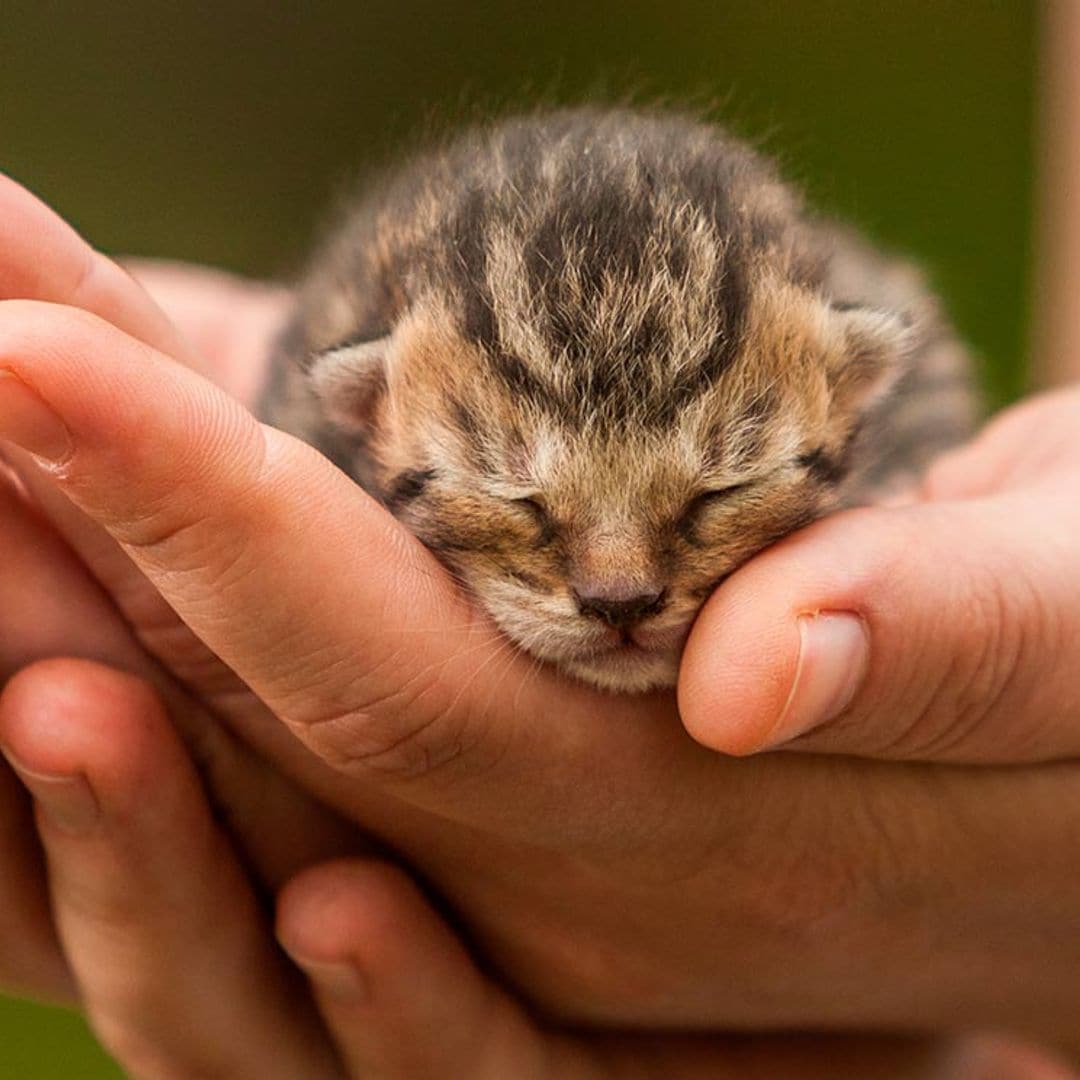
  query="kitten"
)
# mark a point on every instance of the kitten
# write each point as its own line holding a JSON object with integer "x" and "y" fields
{"x": 595, "y": 359}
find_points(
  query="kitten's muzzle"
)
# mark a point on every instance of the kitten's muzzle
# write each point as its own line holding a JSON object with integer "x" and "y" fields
{"x": 618, "y": 612}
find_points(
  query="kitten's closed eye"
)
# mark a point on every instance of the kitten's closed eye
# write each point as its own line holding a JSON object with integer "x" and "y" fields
{"x": 716, "y": 495}
{"x": 697, "y": 507}
{"x": 541, "y": 518}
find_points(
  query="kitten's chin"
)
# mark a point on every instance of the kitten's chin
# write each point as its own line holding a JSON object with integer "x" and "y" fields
{"x": 626, "y": 670}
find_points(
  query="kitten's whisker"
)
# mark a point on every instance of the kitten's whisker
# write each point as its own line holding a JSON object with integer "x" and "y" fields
{"x": 530, "y": 676}
{"x": 507, "y": 646}
{"x": 445, "y": 628}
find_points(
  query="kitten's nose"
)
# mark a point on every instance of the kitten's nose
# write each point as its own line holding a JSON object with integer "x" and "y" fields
{"x": 619, "y": 610}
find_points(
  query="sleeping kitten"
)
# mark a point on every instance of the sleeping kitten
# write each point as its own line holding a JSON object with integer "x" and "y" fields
{"x": 596, "y": 359}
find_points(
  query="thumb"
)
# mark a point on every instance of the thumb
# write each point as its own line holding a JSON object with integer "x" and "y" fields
{"x": 937, "y": 632}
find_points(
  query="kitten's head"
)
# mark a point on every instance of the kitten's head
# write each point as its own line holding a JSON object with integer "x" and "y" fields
{"x": 608, "y": 395}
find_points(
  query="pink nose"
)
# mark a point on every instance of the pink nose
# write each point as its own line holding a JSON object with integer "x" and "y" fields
{"x": 619, "y": 611}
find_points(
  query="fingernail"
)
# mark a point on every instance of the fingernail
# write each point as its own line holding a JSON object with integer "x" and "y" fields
{"x": 27, "y": 421}
{"x": 338, "y": 978}
{"x": 66, "y": 801}
{"x": 834, "y": 653}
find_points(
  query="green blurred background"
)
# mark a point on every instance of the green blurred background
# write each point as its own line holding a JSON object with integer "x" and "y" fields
{"x": 218, "y": 132}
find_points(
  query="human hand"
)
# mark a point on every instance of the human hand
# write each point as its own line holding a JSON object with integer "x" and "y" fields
{"x": 50, "y": 606}
{"x": 614, "y": 870}
{"x": 178, "y": 972}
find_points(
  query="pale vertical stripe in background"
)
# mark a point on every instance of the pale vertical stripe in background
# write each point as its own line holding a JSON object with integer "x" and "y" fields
{"x": 1056, "y": 342}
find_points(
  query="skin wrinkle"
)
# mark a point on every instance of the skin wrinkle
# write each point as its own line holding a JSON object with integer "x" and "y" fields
{"x": 990, "y": 677}
{"x": 86, "y": 275}
{"x": 408, "y": 756}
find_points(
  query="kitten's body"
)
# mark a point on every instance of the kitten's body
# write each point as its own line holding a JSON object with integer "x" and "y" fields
{"x": 596, "y": 359}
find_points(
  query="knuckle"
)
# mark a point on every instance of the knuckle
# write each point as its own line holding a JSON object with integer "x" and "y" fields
{"x": 112, "y": 910}
{"x": 977, "y": 675}
{"x": 179, "y": 538}
{"x": 200, "y": 531}
{"x": 85, "y": 275}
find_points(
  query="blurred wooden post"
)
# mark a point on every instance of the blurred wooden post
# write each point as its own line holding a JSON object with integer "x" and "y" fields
{"x": 1056, "y": 338}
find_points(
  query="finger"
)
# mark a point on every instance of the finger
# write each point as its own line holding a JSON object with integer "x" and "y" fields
{"x": 1028, "y": 444}
{"x": 404, "y": 1001}
{"x": 43, "y": 258}
{"x": 48, "y": 604}
{"x": 50, "y": 607}
{"x": 163, "y": 933}
{"x": 939, "y": 631}
{"x": 31, "y": 961}
{"x": 110, "y": 572}
{"x": 285, "y": 569}
{"x": 398, "y": 992}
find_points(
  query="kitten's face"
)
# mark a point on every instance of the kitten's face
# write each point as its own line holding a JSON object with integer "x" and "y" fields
{"x": 595, "y": 553}
{"x": 593, "y": 536}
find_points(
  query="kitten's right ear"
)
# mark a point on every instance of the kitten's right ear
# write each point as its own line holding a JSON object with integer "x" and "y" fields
{"x": 873, "y": 349}
{"x": 349, "y": 379}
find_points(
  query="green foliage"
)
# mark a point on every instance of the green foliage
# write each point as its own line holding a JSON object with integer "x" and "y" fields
{"x": 49, "y": 1044}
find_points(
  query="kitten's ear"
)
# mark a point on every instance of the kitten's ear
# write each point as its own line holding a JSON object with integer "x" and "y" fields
{"x": 349, "y": 379}
{"x": 871, "y": 351}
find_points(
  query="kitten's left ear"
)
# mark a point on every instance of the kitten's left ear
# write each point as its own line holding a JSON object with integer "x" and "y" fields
{"x": 349, "y": 380}
{"x": 871, "y": 351}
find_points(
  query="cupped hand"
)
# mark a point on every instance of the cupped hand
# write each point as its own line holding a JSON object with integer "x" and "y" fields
{"x": 180, "y": 975}
{"x": 612, "y": 869}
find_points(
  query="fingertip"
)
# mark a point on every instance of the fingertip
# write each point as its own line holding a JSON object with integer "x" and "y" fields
{"x": 65, "y": 717}
{"x": 349, "y": 909}
{"x": 398, "y": 991}
{"x": 737, "y": 670}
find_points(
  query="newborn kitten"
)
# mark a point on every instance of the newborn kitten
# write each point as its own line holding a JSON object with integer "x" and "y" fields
{"x": 595, "y": 359}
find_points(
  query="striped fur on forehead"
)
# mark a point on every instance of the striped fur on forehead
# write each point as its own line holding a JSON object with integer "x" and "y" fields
{"x": 616, "y": 293}
{"x": 601, "y": 259}
{"x": 448, "y": 403}
{"x": 616, "y": 345}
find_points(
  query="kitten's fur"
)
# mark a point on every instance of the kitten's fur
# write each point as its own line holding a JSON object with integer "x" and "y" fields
{"x": 596, "y": 359}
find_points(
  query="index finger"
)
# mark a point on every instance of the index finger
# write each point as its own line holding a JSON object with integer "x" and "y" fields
{"x": 43, "y": 258}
